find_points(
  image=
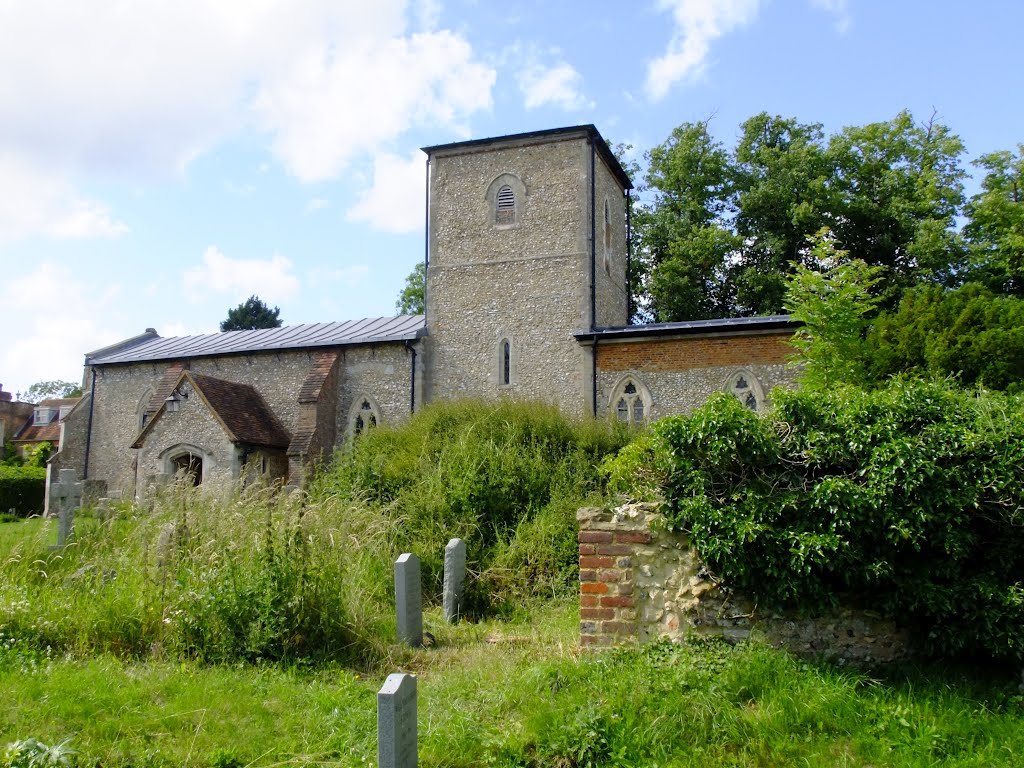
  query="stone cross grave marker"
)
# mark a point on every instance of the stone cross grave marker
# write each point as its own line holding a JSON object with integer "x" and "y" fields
{"x": 408, "y": 600}
{"x": 396, "y": 723}
{"x": 454, "y": 579}
{"x": 67, "y": 493}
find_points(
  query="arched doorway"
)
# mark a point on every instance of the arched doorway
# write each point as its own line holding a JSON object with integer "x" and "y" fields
{"x": 188, "y": 466}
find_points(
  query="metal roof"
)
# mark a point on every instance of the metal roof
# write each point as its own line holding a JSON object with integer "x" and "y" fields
{"x": 692, "y": 327}
{"x": 369, "y": 330}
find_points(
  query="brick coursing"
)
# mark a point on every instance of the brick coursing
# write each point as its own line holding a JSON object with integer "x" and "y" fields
{"x": 640, "y": 582}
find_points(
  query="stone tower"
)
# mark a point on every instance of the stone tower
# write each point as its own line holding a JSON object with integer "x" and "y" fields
{"x": 526, "y": 244}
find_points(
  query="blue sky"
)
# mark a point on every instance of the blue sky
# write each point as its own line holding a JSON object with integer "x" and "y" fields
{"x": 161, "y": 161}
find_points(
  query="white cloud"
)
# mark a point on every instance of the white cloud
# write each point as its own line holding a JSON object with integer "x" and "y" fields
{"x": 140, "y": 89}
{"x": 271, "y": 279}
{"x": 50, "y": 345}
{"x": 839, "y": 9}
{"x": 559, "y": 85}
{"x": 395, "y": 202}
{"x": 317, "y": 204}
{"x": 35, "y": 202}
{"x": 698, "y": 23}
{"x": 333, "y": 104}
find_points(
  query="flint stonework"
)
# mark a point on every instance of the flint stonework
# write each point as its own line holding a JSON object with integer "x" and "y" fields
{"x": 408, "y": 600}
{"x": 454, "y": 579}
{"x": 396, "y": 722}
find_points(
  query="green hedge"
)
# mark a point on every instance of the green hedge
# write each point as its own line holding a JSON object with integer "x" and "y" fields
{"x": 22, "y": 490}
{"x": 909, "y": 500}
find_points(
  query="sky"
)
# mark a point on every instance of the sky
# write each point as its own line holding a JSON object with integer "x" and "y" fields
{"x": 162, "y": 160}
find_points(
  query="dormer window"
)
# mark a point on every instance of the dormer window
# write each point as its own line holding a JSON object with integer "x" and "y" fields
{"x": 505, "y": 206}
{"x": 65, "y": 410}
{"x": 43, "y": 416}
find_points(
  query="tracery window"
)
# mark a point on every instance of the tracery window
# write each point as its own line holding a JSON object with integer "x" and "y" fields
{"x": 747, "y": 389}
{"x": 365, "y": 415}
{"x": 631, "y": 402}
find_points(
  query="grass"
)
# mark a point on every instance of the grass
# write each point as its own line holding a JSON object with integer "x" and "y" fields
{"x": 518, "y": 693}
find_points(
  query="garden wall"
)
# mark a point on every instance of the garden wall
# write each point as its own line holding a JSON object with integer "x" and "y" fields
{"x": 641, "y": 582}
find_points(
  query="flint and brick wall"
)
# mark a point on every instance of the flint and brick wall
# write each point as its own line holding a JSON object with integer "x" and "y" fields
{"x": 641, "y": 582}
{"x": 682, "y": 373}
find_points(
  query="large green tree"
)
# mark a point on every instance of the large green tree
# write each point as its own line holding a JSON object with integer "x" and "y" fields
{"x": 252, "y": 314}
{"x": 995, "y": 227}
{"x": 721, "y": 230}
{"x": 44, "y": 390}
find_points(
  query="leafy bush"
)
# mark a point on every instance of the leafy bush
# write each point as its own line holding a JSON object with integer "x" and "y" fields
{"x": 22, "y": 490}
{"x": 910, "y": 499}
{"x": 505, "y": 477}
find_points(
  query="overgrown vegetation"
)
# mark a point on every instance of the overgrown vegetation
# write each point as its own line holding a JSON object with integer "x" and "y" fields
{"x": 909, "y": 499}
{"x": 505, "y": 477}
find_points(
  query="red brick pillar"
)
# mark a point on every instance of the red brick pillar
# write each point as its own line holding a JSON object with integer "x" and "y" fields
{"x": 607, "y": 557}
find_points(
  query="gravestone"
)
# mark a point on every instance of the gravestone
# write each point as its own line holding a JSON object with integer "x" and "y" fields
{"x": 408, "y": 601}
{"x": 396, "y": 723}
{"x": 67, "y": 494}
{"x": 454, "y": 579}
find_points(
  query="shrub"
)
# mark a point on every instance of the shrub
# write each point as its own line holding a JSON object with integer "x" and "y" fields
{"x": 505, "y": 477}
{"x": 22, "y": 490}
{"x": 909, "y": 499}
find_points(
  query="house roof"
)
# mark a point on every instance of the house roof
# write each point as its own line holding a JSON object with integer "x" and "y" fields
{"x": 152, "y": 347}
{"x": 241, "y": 411}
{"x": 725, "y": 326}
{"x": 532, "y": 137}
{"x": 38, "y": 433}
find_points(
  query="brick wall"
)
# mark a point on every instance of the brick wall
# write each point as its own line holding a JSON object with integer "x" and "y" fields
{"x": 683, "y": 354}
{"x": 640, "y": 582}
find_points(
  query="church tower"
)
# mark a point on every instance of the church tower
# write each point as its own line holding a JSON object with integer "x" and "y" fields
{"x": 526, "y": 245}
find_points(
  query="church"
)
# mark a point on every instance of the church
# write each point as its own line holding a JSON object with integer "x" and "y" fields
{"x": 527, "y": 297}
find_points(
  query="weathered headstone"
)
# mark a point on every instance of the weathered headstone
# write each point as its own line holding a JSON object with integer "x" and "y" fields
{"x": 454, "y": 579}
{"x": 396, "y": 723}
{"x": 67, "y": 494}
{"x": 408, "y": 600}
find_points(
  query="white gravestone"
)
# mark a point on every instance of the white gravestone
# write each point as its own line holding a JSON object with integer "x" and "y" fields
{"x": 396, "y": 723}
{"x": 454, "y": 579}
{"x": 408, "y": 600}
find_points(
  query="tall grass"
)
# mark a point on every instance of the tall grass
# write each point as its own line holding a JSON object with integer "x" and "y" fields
{"x": 240, "y": 575}
{"x": 506, "y": 477}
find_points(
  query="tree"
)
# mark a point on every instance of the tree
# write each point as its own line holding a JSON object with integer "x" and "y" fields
{"x": 250, "y": 315}
{"x": 995, "y": 227}
{"x": 685, "y": 234}
{"x": 834, "y": 302}
{"x": 723, "y": 229}
{"x": 45, "y": 390}
{"x": 411, "y": 299}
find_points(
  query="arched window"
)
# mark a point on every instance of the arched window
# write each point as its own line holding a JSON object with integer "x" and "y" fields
{"x": 747, "y": 389}
{"x": 141, "y": 415}
{"x": 365, "y": 415}
{"x": 505, "y": 206}
{"x": 505, "y": 363}
{"x": 631, "y": 401}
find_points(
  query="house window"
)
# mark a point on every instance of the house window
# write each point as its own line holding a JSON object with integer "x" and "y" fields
{"x": 365, "y": 416}
{"x": 42, "y": 417}
{"x": 505, "y": 206}
{"x": 65, "y": 410}
{"x": 631, "y": 401}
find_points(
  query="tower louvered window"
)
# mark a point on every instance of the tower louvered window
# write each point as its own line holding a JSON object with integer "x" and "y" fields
{"x": 505, "y": 206}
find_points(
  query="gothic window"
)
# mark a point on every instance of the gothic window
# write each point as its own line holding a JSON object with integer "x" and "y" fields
{"x": 631, "y": 401}
{"x": 505, "y": 206}
{"x": 365, "y": 415}
{"x": 747, "y": 389}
